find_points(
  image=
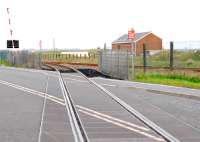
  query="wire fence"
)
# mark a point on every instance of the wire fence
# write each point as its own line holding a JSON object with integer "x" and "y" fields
{"x": 23, "y": 58}
{"x": 86, "y": 57}
{"x": 120, "y": 63}
{"x": 181, "y": 58}
{"x": 185, "y": 55}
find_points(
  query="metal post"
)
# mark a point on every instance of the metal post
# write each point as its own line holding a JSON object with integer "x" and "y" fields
{"x": 144, "y": 58}
{"x": 13, "y": 58}
{"x": 118, "y": 73}
{"x": 127, "y": 62}
{"x": 54, "y": 48}
{"x": 1, "y": 57}
{"x": 40, "y": 44}
{"x": 171, "y": 58}
{"x": 132, "y": 60}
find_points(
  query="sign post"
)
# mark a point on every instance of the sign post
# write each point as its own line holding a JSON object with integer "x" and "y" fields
{"x": 131, "y": 36}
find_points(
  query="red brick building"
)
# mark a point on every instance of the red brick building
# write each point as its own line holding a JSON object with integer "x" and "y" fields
{"x": 153, "y": 43}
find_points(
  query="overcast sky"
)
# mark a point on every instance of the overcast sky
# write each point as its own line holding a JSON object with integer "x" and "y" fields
{"x": 87, "y": 24}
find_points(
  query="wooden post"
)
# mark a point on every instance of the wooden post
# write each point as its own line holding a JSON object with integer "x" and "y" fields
{"x": 144, "y": 58}
{"x": 171, "y": 58}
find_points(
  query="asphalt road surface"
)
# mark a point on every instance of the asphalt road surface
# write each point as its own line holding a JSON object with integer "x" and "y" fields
{"x": 32, "y": 109}
{"x": 177, "y": 114}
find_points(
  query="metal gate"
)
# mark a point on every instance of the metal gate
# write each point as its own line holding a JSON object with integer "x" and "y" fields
{"x": 114, "y": 63}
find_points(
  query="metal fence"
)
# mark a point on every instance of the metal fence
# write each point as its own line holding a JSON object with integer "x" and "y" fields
{"x": 23, "y": 58}
{"x": 175, "y": 57}
{"x": 118, "y": 63}
{"x": 185, "y": 55}
{"x": 71, "y": 57}
{"x": 184, "y": 58}
{"x": 115, "y": 63}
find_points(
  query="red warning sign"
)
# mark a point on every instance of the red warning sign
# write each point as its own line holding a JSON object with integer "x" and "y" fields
{"x": 131, "y": 34}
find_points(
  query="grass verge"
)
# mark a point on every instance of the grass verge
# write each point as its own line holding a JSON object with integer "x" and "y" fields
{"x": 180, "y": 80}
{"x": 5, "y": 63}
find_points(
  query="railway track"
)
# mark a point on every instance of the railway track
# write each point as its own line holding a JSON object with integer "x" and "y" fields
{"x": 76, "y": 124}
{"x": 81, "y": 124}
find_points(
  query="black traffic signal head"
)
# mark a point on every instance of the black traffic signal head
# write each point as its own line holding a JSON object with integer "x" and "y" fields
{"x": 11, "y": 42}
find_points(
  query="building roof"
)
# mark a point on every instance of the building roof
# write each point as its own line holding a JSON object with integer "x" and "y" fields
{"x": 124, "y": 38}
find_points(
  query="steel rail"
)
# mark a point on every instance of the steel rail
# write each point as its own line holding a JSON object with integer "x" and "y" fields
{"x": 166, "y": 135}
{"x": 75, "y": 122}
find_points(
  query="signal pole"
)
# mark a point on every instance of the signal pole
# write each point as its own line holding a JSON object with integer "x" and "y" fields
{"x": 131, "y": 36}
{"x": 9, "y": 22}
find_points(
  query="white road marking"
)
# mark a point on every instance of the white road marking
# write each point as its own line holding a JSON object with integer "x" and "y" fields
{"x": 29, "y": 90}
{"x": 61, "y": 103}
{"x": 112, "y": 118}
{"x": 83, "y": 81}
{"x": 43, "y": 110}
{"x": 110, "y": 85}
{"x": 78, "y": 80}
{"x": 59, "y": 99}
{"x": 96, "y": 114}
{"x": 122, "y": 125}
{"x": 40, "y": 94}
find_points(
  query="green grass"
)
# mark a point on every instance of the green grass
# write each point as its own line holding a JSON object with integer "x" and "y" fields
{"x": 172, "y": 79}
{"x": 5, "y": 63}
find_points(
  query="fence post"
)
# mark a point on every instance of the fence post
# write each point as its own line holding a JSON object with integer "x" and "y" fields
{"x": 127, "y": 62}
{"x": 1, "y": 57}
{"x": 171, "y": 57}
{"x": 100, "y": 60}
{"x": 144, "y": 58}
{"x": 133, "y": 57}
{"x": 118, "y": 73}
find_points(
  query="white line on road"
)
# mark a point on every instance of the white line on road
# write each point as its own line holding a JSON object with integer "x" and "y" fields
{"x": 95, "y": 114}
{"x": 122, "y": 125}
{"x": 40, "y": 94}
{"x": 110, "y": 85}
{"x": 78, "y": 80}
{"x": 43, "y": 110}
{"x": 83, "y": 81}
{"x": 24, "y": 89}
{"x": 113, "y": 118}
